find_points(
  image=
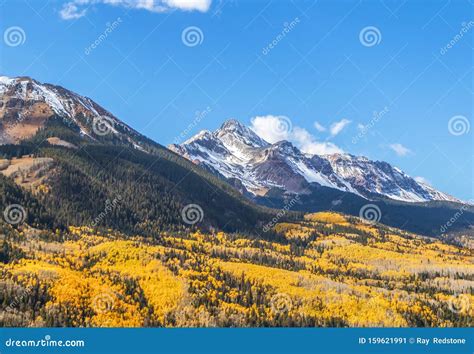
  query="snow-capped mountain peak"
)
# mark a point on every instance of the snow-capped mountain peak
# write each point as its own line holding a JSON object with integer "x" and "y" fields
{"x": 233, "y": 132}
{"x": 26, "y": 105}
{"x": 234, "y": 151}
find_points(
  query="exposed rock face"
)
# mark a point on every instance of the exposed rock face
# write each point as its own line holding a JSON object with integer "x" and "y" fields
{"x": 235, "y": 152}
{"x": 26, "y": 105}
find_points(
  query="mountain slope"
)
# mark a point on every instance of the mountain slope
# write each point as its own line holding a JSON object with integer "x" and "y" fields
{"x": 435, "y": 218}
{"x": 234, "y": 151}
{"x": 380, "y": 177}
{"x": 26, "y": 105}
{"x": 94, "y": 164}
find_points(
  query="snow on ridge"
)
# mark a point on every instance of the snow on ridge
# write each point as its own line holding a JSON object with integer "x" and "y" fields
{"x": 355, "y": 174}
{"x": 65, "y": 104}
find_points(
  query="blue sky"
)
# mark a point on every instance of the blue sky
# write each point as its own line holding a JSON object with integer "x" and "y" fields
{"x": 390, "y": 95}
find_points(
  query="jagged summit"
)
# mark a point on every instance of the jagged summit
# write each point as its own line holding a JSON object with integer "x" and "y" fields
{"x": 232, "y": 125}
{"x": 235, "y": 151}
{"x": 233, "y": 132}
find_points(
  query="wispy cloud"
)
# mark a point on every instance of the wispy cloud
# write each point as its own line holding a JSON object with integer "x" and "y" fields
{"x": 399, "y": 149}
{"x": 308, "y": 143}
{"x": 71, "y": 11}
{"x": 338, "y": 127}
{"x": 319, "y": 127}
{"x": 277, "y": 128}
{"x": 78, "y": 8}
{"x": 422, "y": 180}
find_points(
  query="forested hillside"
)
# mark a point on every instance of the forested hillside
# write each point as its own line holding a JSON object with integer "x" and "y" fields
{"x": 328, "y": 270}
{"x": 148, "y": 191}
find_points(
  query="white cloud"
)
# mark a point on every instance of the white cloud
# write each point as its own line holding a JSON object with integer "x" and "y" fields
{"x": 78, "y": 8}
{"x": 70, "y": 11}
{"x": 189, "y": 5}
{"x": 270, "y": 128}
{"x": 276, "y": 128}
{"x": 308, "y": 143}
{"x": 400, "y": 150}
{"x": 319, "y": 127}
{"x": 337, "y": 127}
{"x": 422, "y": 180}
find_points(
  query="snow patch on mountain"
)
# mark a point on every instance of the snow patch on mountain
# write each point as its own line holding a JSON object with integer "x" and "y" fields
{"x": 235, "y": 151}
{"x": 35, "y": 102}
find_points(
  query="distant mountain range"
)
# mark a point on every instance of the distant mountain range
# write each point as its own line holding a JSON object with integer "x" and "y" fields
{"x": 235, "y": 152}
{"x": 64, "y": 157}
